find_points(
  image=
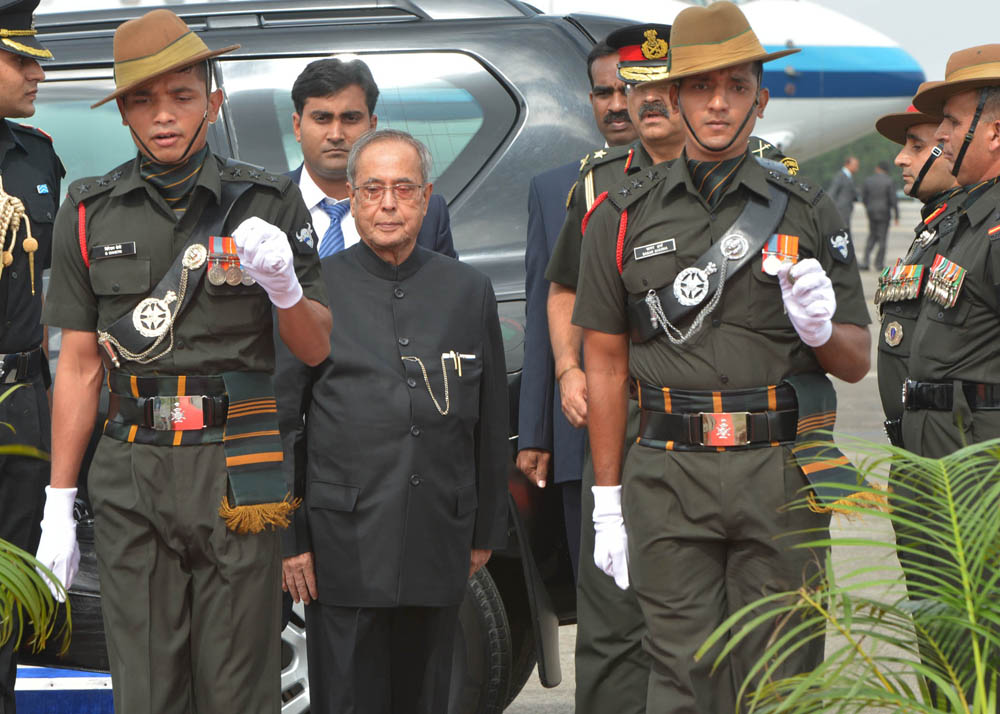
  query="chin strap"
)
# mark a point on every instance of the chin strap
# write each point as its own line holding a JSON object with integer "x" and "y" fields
{"x": 970, "y": 133}
{"x": 735, "y": 136}
{"x": 204, "y": 117}
{"x": 935, "y": 154}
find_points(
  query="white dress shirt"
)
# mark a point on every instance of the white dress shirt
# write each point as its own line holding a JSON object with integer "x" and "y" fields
{"x": 313, "y": 196}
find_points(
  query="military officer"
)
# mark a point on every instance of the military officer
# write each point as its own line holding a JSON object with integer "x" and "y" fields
{"x": 952, "y": 392}
{"x": 30, "y": 174}
{"x": 612, "y": 670}
{"x": 738, "y": 288}
{"x": 186, "y": 482}
{"x": 928, "y": 179}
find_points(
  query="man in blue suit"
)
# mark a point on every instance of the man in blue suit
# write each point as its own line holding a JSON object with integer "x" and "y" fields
{"x": 334, "y": 105}
{"x": 548, "y": 444}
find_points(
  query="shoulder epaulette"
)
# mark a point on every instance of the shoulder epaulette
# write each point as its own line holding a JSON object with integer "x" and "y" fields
{"x": 604, "y": 156}
{"x": 634, "y": 187}
{"x": 86, "y": 188}
{"x": 28, "y": 129}
{"x": 795, "y": 185}
{"x": 239, "y": 171}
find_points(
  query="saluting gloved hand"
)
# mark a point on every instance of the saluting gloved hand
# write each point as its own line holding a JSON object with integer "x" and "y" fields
{"x": 610, "y": 541}
{"x": 809, "y": 300}
{"x": 264, "y": 253}
{"x": 58, "y": 550}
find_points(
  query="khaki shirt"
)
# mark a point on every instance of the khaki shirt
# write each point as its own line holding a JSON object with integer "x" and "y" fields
{"x": 963, "y": 342}
{"x": 223, "y": 328}
{"x": 603, "y": 169}
{"x": 748, "y": 341}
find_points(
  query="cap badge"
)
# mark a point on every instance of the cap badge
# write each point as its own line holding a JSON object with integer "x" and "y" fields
{"x": 653, "y": 47}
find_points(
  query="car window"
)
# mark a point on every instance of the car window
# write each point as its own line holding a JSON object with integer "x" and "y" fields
{"x": 89, "y": 141}
{"x": 445, "y": 99}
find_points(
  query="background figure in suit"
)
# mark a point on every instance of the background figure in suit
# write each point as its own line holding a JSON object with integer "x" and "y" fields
{"x": 547, "y": 443}
{"x": 405, "y": 480}
{"x": 843, "y": 191}
{"x": 878, "y": 193}
{"x": 334, "y": 105}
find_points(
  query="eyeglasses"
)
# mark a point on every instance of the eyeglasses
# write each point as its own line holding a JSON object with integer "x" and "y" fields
{"x": 374, "y": 192}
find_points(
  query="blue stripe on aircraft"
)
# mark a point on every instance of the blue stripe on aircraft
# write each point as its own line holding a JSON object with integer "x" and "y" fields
{"x": 832, "y": 72}
{"x": 65, "y": 702}
{"x": 55, "y": 672}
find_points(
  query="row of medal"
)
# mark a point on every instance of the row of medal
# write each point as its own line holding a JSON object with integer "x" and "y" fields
{"x": 903, "y": 281}
{"x": 780, "y": 248}
{"x": 899, "y": 282}
{"x": 223, "y": 263}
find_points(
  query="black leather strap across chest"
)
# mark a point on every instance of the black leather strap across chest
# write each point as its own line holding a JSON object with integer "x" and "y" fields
{"x": 738, "y": 246}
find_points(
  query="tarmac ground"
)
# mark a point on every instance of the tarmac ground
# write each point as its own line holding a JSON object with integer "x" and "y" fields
{"x": 859, "y": 414}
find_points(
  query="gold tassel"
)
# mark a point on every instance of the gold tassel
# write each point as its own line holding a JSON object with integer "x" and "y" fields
{"x": 257, "y": 518}
{"x": 846, "y": 506}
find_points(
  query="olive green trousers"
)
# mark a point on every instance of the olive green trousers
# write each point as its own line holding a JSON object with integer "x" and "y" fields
{"x": 191, "y": 609}
{"x": 709, "y": 533}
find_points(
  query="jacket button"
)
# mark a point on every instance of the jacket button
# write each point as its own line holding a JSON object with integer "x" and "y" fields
{"x": 411, "y": 382}
{"x": 940, "y": 315}
{"x": 716, "y": 322}
{"x": 415, "y": 430}
{"x": 13, "y": 274}
{"x": 415, "y": 480}
{"x": 404, "y": 341}
{"x": 724, "y": 379}
{"x": 398, "y": 292}
{"x": 115, "y": 288}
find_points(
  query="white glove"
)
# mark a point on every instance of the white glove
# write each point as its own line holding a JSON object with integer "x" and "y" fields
{"x": 58, "y": 550}
{"x": 809, "y": 300}
{"x": 264, "y": 253}
{"x": 610, "y": 541}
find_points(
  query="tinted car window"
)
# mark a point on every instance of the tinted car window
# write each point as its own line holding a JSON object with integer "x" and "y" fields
{"x": 440, "y": 97}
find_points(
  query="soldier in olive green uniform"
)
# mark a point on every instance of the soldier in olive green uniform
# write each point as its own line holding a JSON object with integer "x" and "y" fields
{"x": 898, "y": 292}
{"x": 760, "y": 283}
{"x": 952, "y": 395}
{"x": 168, "y": 268}
{"x": 612, "y": 670}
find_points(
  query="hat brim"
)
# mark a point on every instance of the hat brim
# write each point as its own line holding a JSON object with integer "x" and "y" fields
{"x": 932, "y": 99}
{"x": 713, "y": 66}
{"x": 26, "y": 46}
{"x": 894, "y": 126}
{"x": 186, "y": 62}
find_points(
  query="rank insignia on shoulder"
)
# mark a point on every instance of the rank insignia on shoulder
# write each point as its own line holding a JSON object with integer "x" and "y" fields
{"x": 840, "y": 246}
{"x": 42, "y": 188}
{"x": 779, "y": 249}
{"x": 305, "y": 235}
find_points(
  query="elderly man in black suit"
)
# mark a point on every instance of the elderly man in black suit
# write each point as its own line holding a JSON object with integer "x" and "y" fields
{"x": 404, "y": 457}
{"x": 334, "y": 106}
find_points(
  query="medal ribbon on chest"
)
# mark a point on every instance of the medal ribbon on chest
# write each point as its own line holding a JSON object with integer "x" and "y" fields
{"x": 780, "y": 248}
{"x": 945, "y": 281}
{"x": 899, "y": 282}
{"x": 223, "y": 263}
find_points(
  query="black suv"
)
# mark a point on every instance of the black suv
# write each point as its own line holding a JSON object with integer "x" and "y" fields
{"x": 498, "y": 93}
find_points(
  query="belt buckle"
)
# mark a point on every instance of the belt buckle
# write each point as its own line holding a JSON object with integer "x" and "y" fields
{"x": 724, "y": 428}
{"x": 908, "y": 385}
{"x": 178, "y": 413}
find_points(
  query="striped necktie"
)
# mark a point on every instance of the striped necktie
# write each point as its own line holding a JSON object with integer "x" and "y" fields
{"x": 333, "y": 239}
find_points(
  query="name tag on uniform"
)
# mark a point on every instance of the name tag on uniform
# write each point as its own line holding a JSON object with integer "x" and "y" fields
{"x": 115, "y": 250}
{"x": 658, "y": 248}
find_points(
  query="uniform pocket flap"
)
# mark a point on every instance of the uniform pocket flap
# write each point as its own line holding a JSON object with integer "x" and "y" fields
{"x": 333, "y": 496}
{"x": 466, "y": 500}
{"x": 120, "y": 276}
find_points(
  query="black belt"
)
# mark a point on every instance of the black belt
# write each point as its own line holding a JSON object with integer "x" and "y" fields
{"x": 940, "y": 396}
{"x": 746, "y": 428}
{"x": 696, "y": 418}
{"x": 21, "y": 366}
{"x": 155, "y": 412}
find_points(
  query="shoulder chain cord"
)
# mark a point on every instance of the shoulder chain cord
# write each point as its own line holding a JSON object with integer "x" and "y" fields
{"x": 673, "y": 333}
{"x": 427, "y": 381}
{"x": 144, "y": 356}
{"x": 12, "y": 211}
